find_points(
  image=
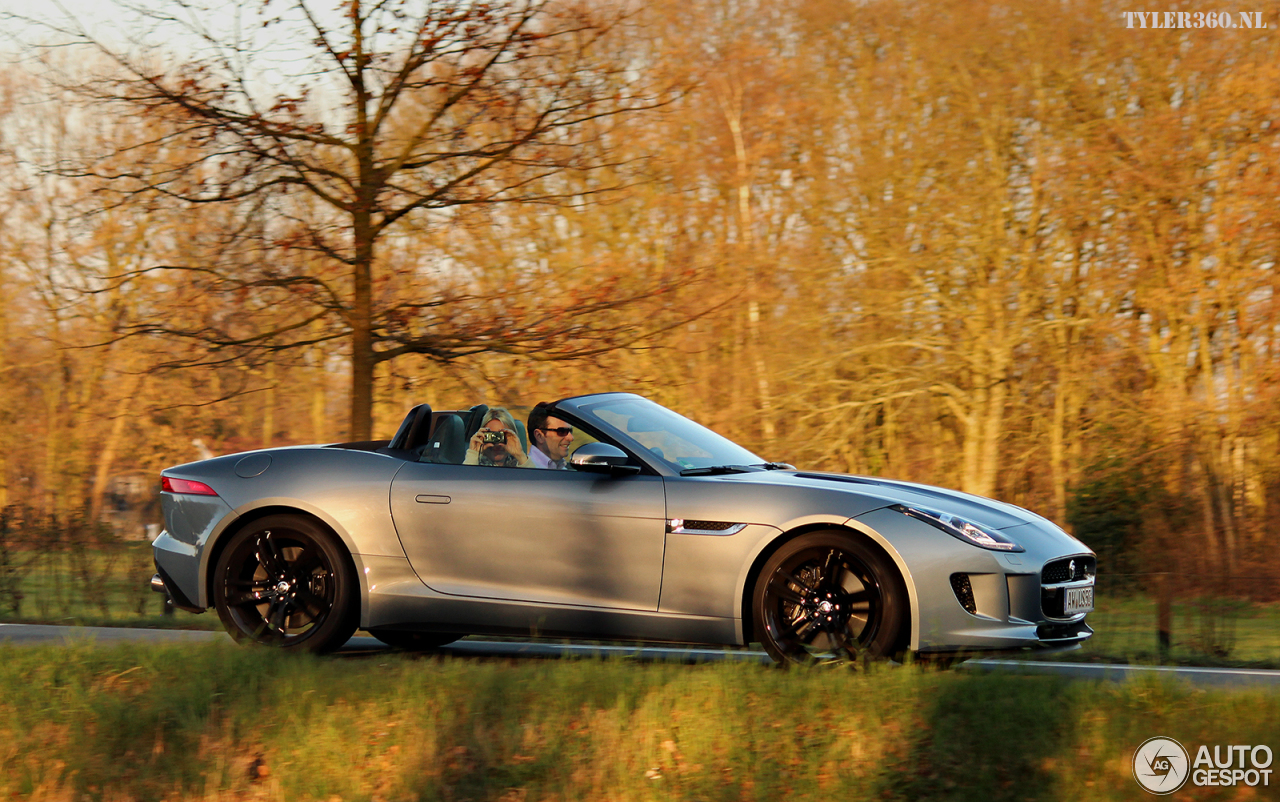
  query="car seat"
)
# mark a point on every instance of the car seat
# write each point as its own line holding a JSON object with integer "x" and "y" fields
{"x": 474, "y": 416}
{"x": 448, "y": 443}
{"x": 412, "y": 434}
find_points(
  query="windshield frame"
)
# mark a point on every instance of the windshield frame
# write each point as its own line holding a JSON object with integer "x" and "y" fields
{"x": 583, "y": 408}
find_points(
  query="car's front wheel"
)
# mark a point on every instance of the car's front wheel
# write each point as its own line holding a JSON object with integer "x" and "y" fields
{"x": 829, "y": 597}
{"x": 285, "y": 581}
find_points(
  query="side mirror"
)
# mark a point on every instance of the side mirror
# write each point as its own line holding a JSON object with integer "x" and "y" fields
{"x": 602, "y": 458}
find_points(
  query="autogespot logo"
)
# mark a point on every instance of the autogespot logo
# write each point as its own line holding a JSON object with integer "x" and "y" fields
{"x": 1160, "y": 765}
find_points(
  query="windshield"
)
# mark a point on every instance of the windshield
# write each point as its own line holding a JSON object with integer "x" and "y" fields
{"x": 673, "y": 438}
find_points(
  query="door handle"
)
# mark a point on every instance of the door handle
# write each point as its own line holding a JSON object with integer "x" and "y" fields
{"x": 424, "y": 499}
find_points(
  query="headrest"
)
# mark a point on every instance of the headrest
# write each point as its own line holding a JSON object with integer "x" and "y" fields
{"x": 448, "y": 443}
{"x": 474, "y": 416}
{"x": 414, "y": 429}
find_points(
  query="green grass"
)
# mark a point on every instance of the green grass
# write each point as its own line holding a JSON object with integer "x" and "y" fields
{"x": 1204, "y": 632}
{"x": 220, "y": 722}
{"x": 98, "y": 586}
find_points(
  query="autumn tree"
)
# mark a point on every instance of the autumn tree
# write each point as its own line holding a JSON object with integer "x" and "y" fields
{"x": 979, "y": 244}
{"x": 331, "y": 127}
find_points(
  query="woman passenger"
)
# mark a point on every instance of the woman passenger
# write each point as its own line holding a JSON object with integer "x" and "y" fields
{"x": 487, "y": 448}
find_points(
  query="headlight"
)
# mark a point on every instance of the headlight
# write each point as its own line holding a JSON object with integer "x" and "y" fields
{"x": 975, "y": 534}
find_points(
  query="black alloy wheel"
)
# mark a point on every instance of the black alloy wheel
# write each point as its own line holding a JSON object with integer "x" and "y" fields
{"x": 413, "y": 641}
{"x": 828, "y": 597}
{"x": 285, "y": 581}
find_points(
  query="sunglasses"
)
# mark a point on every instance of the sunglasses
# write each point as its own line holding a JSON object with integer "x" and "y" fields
{"x": 563, "y": 431}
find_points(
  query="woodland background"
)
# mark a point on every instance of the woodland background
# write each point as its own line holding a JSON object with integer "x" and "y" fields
{"x": 1010, "y": 247}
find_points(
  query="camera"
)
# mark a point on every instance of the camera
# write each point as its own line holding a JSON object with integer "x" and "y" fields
{"x": 493, "y": 437}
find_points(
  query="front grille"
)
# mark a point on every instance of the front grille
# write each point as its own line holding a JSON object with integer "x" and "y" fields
{"x": 964, "y": 592}
{"x": 1059, "y": 571}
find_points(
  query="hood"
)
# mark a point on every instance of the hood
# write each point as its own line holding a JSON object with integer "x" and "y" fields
{"x": 996, "y": 514}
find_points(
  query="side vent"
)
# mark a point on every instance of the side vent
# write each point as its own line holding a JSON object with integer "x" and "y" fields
{"x": 681, "y": 526}
{"x": 708, "y": 526}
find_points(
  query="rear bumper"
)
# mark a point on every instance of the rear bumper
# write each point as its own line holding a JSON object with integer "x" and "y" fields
{"x": 178, "y": 570}
{"x": 161, "y": 583}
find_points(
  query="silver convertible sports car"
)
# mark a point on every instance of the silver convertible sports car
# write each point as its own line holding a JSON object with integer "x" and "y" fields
{"x": 653, "y": 529}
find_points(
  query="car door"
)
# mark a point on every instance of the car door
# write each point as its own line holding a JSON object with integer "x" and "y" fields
{"x": 555, "y": 537}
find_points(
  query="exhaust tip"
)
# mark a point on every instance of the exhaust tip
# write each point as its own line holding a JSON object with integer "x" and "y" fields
{"x": 157, "y": 584}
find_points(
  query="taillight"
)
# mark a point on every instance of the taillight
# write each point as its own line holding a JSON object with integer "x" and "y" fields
{"x": 185, "y": 486}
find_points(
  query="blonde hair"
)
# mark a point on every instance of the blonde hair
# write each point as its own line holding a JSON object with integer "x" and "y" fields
{"x": 502, "y": 415}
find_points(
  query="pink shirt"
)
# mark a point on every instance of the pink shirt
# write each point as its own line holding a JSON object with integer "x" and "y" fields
{"x": 540, "y": 460}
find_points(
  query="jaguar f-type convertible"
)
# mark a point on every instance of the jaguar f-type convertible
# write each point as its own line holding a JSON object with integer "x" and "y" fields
{"x": 653, "y": 529}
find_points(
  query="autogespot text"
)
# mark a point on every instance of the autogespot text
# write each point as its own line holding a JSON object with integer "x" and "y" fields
{"x": 1234, "y": 768}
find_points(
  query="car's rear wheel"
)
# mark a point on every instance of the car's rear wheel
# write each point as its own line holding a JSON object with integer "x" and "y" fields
{"x": 413, "y": 641}
{"x": 285, "y": 581}
{"x": 828, "y": 597}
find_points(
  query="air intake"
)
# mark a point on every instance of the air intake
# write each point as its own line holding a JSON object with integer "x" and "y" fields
{"x": 964, "y": 592}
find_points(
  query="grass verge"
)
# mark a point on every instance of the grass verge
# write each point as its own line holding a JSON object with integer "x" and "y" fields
{"x": 218, "y": 722}
{"x": 107, "y": 584}
{"x": 1231, "y": 634}
{"x": 179, "y": 620}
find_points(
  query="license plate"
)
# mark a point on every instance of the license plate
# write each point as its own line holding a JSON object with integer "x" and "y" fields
{"x": 1079, "y": 600}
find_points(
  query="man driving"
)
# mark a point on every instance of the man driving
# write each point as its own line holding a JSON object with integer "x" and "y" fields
{"x": 550, "y": 437}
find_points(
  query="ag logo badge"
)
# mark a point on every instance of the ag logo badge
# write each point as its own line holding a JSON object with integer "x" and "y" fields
{"x": 1161, "y": 765}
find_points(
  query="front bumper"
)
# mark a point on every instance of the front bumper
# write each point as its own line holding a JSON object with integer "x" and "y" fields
{"x": 1000, "y": 604}
{"x": 1055, "y": 636}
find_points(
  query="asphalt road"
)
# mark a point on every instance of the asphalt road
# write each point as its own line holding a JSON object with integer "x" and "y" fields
{"x": 27, "y": 634}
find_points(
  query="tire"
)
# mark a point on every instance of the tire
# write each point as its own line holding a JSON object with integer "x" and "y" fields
{"x": 413, "y": 641}
{"x": 286, "y": 581}
{"x": 828, "y": 597}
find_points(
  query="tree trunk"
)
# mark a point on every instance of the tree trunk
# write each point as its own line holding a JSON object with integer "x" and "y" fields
{"x": 52, "y": 441}
{"x": 363, "y": 359}
{"x": 107, "y": 453}
{"x": 732, "y": 108}
{"x": 269, "y": 406}
{"x": 1057, "y": 451}
{"x": 318, "y": 401}
{"x": 1206, "y": 506}
{"x": 992, "y": 433}
{"x": 4, "y": 434}
{"x": 972, "y": 434}
{"x": 362, "y": 364}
